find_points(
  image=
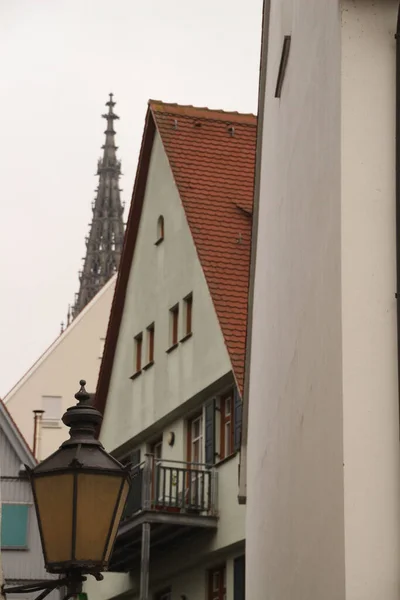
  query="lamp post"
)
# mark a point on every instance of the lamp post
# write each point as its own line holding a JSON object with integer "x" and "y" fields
{"x": 79, "y": 494}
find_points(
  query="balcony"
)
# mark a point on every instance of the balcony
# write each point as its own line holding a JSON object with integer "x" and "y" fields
{"x": 177, "y": 499}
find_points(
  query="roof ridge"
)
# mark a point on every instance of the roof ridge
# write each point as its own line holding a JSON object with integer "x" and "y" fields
{"x": 174, "y": 105}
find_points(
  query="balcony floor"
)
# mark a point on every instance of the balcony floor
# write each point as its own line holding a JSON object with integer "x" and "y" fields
{"x": 166, "y": 529}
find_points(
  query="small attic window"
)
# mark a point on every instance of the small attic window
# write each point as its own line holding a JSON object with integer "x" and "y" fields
{"x": 160, "y": 229}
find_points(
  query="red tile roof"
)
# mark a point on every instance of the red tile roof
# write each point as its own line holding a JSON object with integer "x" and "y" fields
{"x": 212, "y": 157}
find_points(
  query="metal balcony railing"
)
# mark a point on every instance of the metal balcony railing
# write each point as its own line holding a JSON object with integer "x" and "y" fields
{"x": 172, "y": 486}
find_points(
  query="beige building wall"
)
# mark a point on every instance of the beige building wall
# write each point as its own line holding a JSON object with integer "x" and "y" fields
{"x": 323, "y": 440}
{"x": 75, "y": 355}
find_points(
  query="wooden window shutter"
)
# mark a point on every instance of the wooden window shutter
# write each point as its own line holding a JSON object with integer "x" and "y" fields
{"x": 209, "y": 432}
{"x": 237, "y": 402}
{"x": 239, "y": 579}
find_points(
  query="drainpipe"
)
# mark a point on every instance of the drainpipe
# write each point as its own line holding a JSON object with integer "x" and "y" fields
{"x": 398, "y": 191}
{"x": 37, "y": 421}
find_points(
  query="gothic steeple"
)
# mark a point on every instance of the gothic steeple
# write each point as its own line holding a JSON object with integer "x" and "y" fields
{"x": 104, "y": 243}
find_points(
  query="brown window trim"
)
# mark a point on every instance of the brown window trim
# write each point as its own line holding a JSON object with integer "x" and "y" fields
{"x": 150, "y": 344}
{"x": 160, "y": 230}
{"x": 188, "y": 300}
{"x": 186, "y": 337}
{"x": 174, "y": 325}
{"x": 138, "y": 339}
{"x": 171, "y": 348}
{"x": 219, "y": 594}
{"x": 149, "y": 364}
{"x": 135, "y": 375}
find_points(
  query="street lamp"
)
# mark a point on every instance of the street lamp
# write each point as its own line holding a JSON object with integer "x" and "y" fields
{"x": 79, "y": 494}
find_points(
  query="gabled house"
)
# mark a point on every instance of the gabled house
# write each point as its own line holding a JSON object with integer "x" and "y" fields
{"x": 21, "y": 550}
{"x": 49, "y": 385}
{"x": 171, "y": 378}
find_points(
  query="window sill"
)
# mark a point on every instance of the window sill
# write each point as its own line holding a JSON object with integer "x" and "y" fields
{"x": 149, "y": 364}
{"x": 226, "y": 459}
{"x": 51, "y": 424}
{"x": 135, "y": 375}
{"x": 186, "y": 337}
{"x": 158, "y": 242}
{"x": 172, "y": 348}
{"x": 14, "y": 548}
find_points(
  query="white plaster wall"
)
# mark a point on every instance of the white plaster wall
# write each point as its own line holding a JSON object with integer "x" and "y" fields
{"x": 161, "y": 276}
{"x": 295, "y": 512}
{"x": 370, "y": 395}
{"x": 74, "y": 356}
{"x": 191, "y": 582}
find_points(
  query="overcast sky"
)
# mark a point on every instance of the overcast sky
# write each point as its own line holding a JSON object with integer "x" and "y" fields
{"x": 59, "y": 61}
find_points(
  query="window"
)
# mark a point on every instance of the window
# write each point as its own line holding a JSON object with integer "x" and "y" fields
{"x": 14, "y": 526}
{"x": 173, "y": 325}
{"x": 188, "y": 301}
{"x": 150, "y": 344}
{"x": 227, "y": 430}
{"x": 102, "y": 344}
{"x": 52, "y": 406}
{"x": 160, "y": 229}
{"x": 138, "y": 352}
{"x": 217, "y": 584}
{"x": 195, "y": 439}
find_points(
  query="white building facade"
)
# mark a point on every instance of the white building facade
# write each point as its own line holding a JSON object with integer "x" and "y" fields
{"x": 50, "y": 384}
{"x": 320, "y": 451}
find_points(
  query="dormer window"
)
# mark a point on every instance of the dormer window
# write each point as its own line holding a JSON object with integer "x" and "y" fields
{"x": 160, "y": 229}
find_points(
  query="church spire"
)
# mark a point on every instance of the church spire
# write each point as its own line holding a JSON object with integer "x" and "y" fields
{"x": 104, "y": 243}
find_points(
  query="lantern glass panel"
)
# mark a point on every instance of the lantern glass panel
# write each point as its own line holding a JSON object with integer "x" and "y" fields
{"x": 97, "y": 500}
{"x": 118, "y": 516}
{"x": 54, "y": 499}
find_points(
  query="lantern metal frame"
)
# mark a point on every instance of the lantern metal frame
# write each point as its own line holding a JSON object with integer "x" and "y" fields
{"x": 75, "y": 457}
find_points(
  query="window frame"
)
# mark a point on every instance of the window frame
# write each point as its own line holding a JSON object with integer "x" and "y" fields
{"x": 227, "y": 446}
{"x": 138, "y": 341}
{"x": 150, "y": 330}
{"x": 190, "y": 438}
{"x": 51, "y": 421}
{"x": 188, "y": 316}
{"x": 218, "y": 593}
{"x": 174, "y": 326}
{"x": 160, "y": 230}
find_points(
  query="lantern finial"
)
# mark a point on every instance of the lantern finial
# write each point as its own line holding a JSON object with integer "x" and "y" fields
{"x": 82, "y": 396}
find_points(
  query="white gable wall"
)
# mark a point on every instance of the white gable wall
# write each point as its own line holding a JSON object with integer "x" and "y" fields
{"x": 161, "y": 276}
{"x": 76, "y": 355}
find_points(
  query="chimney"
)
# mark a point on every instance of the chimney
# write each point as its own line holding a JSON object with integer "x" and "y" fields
{"x": 37, "y": 423}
